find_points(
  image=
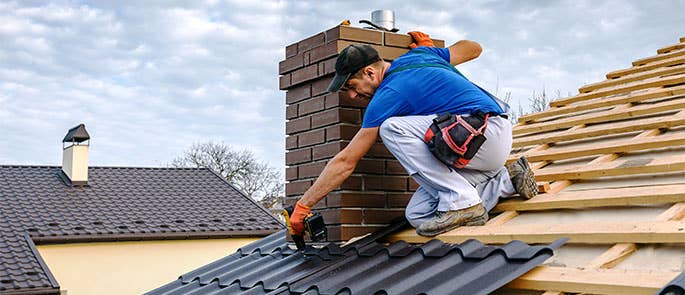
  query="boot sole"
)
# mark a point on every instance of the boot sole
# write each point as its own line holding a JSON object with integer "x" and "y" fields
{"x": 480, "y": 220}
{"x": 530, "y": 187}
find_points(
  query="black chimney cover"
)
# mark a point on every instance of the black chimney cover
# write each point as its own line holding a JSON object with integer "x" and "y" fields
{"x": 77, "y": 134}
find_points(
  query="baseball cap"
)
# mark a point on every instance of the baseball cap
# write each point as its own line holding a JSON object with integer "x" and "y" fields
{"x": 352, "y": 59}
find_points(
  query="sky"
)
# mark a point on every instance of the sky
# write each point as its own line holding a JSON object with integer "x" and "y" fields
{"x": 150, "y": 78}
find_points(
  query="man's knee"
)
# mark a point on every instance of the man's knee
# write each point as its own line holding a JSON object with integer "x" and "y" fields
{"x": 388, "y": 127}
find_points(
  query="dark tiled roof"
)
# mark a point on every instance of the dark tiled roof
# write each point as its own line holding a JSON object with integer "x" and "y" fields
{"x": 675, "y": 287}
{"x": 119, "y": 203}
{"x": 363, "y": 267}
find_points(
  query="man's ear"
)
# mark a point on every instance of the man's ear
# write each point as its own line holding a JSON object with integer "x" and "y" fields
{"x": 369, "y": 70}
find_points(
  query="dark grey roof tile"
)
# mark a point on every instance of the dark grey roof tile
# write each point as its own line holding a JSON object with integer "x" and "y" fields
{"x": 118, "y": 203}
{"x": 269, "y": 266}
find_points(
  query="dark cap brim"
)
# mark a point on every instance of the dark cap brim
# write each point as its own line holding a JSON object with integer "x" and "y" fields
{"x": 338, "y": 82}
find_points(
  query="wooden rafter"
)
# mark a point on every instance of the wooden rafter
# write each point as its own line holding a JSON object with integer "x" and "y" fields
{"x": 643, "y": 84}
{"x": 643, "y": 195}
{"x": 677, "y": 102}
{"x": 636, "y": 96}
{"x": 602, "y": 129}
{"x": 658, "y": 57}
{"x": 616, "y": 168}
{"x": 627, "y": 145}
{"x": 594, "y": 281}
{"x": 581, "y": 233}
{"x": 634, "y": 77}
{"x": 663, "y": 63}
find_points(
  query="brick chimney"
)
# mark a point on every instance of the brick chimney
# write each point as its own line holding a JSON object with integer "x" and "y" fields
{"x": 319, "y": 125}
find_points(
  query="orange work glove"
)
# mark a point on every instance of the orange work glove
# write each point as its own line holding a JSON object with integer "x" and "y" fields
{"x": 297, "y": 219}
{"x": 420, "y": 39}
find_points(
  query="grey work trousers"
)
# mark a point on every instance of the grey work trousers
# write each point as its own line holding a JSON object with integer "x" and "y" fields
{"x": 484, "y": 179}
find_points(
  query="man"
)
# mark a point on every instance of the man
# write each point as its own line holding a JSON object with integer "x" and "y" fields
{"x": 405, "y": 98}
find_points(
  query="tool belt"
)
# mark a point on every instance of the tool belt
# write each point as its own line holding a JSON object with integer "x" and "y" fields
{"x": 455, "y": 139}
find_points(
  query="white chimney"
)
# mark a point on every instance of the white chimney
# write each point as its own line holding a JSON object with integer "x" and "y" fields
{"x": 75, "y": 155}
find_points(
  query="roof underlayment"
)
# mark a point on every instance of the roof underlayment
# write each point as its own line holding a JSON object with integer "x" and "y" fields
{"x": 611, "y": 161}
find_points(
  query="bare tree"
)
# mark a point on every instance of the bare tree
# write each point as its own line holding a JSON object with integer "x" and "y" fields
{"x": 256, "y": 179}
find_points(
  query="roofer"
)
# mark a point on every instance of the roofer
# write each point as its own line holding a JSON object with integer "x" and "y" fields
{"x": 461, "y": 175}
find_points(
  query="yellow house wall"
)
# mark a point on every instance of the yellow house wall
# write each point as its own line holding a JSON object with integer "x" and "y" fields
{"x": 130, "y": 267}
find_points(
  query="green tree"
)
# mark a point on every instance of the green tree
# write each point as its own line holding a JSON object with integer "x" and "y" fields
{"x": 255, "y": 178}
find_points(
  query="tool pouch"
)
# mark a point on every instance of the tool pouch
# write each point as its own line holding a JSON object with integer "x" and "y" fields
{"x": 455, "y": 139}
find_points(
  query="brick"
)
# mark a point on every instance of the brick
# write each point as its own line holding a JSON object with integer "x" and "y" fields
{"x": 320, "y": 86}
{"x": 413, "y": 185}
{"x": 393, "y": 167}
{"x": 370, "y": 166}
{"x": 345, "y": 132}
{"x": 337, "y": 115}
{"x": 290, "y": 173}
{"x": 284, "y": 82}
{"x": 352, "y": 183}
{"x": 348, "y": 199}
{"x": 311, "y": 105}
{"x": 298, "y": 93}
{"x": 338, "y": 216}
{"x": 298, "y": 125}
{"x": 381, "y": 216}
{"x": 398, "y": 199}
{"x": 348, "y": 232}
{"x": 311, "y": 42}
{"x": 311, "y": 138}
{"x": 298, "y": 156}
{"x": 327, "y": 66}
{"x": 297, "y": 187}
{"x": 305, "y": 74}
{"x": 378, "y": 150}
{"x": 341, "y": 99}
{"x": 290, "y": 201}
{"x": 354, "y": 34}
{"x": 385, "y": 183}
{"x": 385, "y": 52}
{"x": 291, "y": 64}
{"x": 324, "y": 52}
{"x": 290, "y": 142}
{"x": 311, "y": 169}
{"x": 291, "y": 50}
{"x": 402, "y": 40}
{"x": 291, "y": 111}
{"x": 328, "y": 150}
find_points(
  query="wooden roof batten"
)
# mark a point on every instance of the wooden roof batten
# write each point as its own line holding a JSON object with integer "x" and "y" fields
{"x": 648, "y": 98}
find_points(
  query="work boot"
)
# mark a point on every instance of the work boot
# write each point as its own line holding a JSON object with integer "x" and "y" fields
{"x": 522, "y": 177}
{"x": 449, "y": 220}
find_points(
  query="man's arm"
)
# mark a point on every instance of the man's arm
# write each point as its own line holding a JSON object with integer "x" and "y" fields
{"x": 341, "y": 166}
{"x": 464, "y": 51}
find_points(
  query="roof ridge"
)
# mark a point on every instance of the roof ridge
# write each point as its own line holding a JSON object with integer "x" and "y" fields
{"x": 104, "y": 167}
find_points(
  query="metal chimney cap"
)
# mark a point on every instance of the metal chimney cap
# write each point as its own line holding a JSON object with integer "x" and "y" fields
{"x": 77, "y": 134}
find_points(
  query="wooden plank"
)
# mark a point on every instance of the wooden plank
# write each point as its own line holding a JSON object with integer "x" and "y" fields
{"x": 634, "y": 77}
{"x": 603, "y": 129}
{"x": 502, "y": 218}
{"x": 543, "y": 187}
{"x": 643, "y": 84}
{"x": 675, "y": 213}
{"x": 664, "y": 63}
{"x": 622, "y": 146}
{"x": 642, "y": 195}
{"x": 579, "y": 233}
{"x": 599, "y": 103}
{"x": 658, "y": 57}
{"x": 677, "y": 103}
{"x": 670, "y": 48}
{"x": 593, "y": 281}
{"x": 613, "y": 256}
{"x": 616, "y": 168}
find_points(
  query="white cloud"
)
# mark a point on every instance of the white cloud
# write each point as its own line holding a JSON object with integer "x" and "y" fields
{"x": 149, "y": 78}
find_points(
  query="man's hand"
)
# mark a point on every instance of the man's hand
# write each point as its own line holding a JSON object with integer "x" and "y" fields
{"x": 420, "y": 39}
{"x": 297, "y": 219}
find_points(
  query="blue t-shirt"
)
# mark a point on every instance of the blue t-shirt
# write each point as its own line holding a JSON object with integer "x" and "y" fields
{"x": 425, "y": 90}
